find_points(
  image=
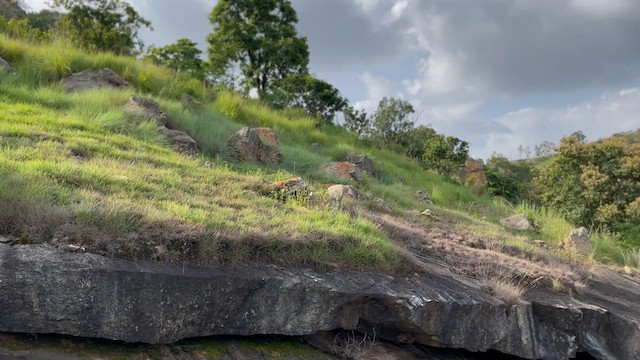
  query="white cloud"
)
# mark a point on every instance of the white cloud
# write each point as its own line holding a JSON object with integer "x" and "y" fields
{"x": 36, "y": 5}
{"x": 376, "y": 87}
{"x": 601, "y": 117}
{"x": 368, "y": 6}
{"x": 397, "y": 11}
{"x": 602, "y": 8}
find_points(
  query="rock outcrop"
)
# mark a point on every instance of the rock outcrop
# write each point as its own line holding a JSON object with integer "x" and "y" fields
{"x": 519, "y": 222}
{"x": 341, "y": 193}
{"x": 44, "y": 290}
{"x": 578, "y": 239}
{"x": 4, "y": 66}
{"x": 289, "y": 188}
{"x": 11, "y": 9}
{"x": 180, "y": 141}
{"x": 92, "y": 79}
{"x": 343, "y": 170}
{"x": 422, "y": 196}
{"x": 364, "y": 164}
{"x": 256, "y": 145}
{"x": 473, "y": 174}
{"x": 148, "y": 109}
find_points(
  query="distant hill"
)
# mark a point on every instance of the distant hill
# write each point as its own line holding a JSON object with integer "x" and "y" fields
{"x": 631, "y": 137}
{"x": 11, "y": 9}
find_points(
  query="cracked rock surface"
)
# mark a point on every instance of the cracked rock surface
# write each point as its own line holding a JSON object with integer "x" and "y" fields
{"x": 45, "y": 290}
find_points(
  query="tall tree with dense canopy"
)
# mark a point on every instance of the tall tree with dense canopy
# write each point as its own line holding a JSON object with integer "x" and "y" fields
{"x": 182, "y": 56}
{"x": 105, "y": 25}
{"x": 445, "y": 154}
{"x": 317, "y": 97}
{"x": 258, "y": 36}
{"x": 392, "y": 122}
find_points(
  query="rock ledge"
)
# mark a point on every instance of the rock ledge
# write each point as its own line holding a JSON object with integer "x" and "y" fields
{"x": 44, "y": 290}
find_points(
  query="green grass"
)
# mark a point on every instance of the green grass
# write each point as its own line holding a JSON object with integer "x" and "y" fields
{"x": 86, "y": 170}
{"x": 550, "y": 225}
{"x": 81, "y": 168}
{"x": 205, "y": 348}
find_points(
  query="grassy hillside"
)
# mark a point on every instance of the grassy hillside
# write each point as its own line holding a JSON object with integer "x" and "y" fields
{"x": 84, "y": 169}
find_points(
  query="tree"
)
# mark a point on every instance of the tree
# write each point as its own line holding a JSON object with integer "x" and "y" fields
{"x": 509, "y": 179}
{"x": 445, "y": 154}
{"x": 592, "y": 184}
{"x": 44, "y": 20}
{"x": 104, "y": 25}
{"x": 356, "y": 121}
{"x": 258, "y": 36}
{"x": 392, "y": 122}
{"x": 416, "y": 139}
{"x": 182, "y": 56}
{"x": 545, "y": 148}
{"x": 317, "y": 97}
{"x": 524, "y": 151}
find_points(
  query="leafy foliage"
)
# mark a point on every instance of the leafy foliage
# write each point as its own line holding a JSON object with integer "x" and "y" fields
{"x": 508, "y": 179}
{"x": 104, "y": 25}
{"x": 317, "y": 97}
{"x": 445, "y": 154}
{"x": 593, "y": 184}
{"x": 414, "y": 143}
{"x": 356, "y": 120}
{"x": 545, "y": 148}
{"x": 181, "y": 56}
{"x": 21, "y": 29}
{"x": 258, "y": 36}
{"x": 392, "y": 122}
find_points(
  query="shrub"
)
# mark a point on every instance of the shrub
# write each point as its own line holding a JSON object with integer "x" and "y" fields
{"x": 445, "y": 154}
{"x": 592, "y": 184}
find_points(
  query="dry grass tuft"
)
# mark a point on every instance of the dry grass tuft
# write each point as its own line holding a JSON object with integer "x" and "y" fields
{"x": 509, "y": 291}
{"x": 352, "y": 346}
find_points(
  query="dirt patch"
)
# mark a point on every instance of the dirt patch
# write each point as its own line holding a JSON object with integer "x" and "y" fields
{"x": 481, "y": 259}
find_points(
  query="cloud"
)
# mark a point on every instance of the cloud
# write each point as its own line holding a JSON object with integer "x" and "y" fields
{"x": 377, "y": 88}
{"x": 516, "y": 46}
{"x": 347, "y": 34}
{"x": 36, "y": 5}
{"x": 612, "y": 112}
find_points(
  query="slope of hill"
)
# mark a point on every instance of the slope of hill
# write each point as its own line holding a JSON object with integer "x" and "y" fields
{"x": 85, "y": 172}
{"x": 86, "y": 165}
{"x": 630, "y": 137}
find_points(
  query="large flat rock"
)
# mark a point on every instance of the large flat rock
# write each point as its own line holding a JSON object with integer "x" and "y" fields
{"x": 44, "y": 290}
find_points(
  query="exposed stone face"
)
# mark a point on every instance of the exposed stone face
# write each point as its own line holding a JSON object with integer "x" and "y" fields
{"x": 256, "y": 145}
{"x": 180, "y": 141}
{"x": 364, "y": 164}
{"x": 289, "y": 188}
{"x": 518, "y": 222}
{"x": 11, "y": 9}
{"x": 4, "y": 66}
{"x": 578, "y": 239}
{"x": 43, "y": 290}
{"x": 473, "y": 174}
{"x": 344, "y": 170}
{"x": 149, "y": 109}
{"x": 339, "y": 194}
{"x": 422, "y": 196}
{"x": 92, "y": 79}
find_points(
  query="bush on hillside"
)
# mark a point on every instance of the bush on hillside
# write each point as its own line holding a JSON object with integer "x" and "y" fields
{"x": 593, "y": 184}
{"x": 21, "y": 29}
{"x": 508, "y": 179}
{"x": 445, "y": 154}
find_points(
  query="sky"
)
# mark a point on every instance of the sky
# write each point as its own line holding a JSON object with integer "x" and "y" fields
{"x": 497, "y": 73}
